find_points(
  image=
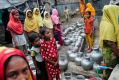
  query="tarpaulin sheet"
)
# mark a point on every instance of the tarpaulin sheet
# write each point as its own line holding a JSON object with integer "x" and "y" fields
{"x": 10, "y": 3}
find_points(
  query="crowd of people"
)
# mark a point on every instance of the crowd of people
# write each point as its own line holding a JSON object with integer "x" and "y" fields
{"x": 42, "y": 34}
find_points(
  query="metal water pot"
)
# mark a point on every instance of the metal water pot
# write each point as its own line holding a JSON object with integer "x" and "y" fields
{"x": 63, "y": 62}
{"x": 80, "y": 77}
{"x": 87, "y": 64}
{"x": 67, "y": 42}
{"x": 75, "y": 49}
{"x": 96, "y": 55}
{"x": 95, "y": 66}
{"x": 69, "y": 52}
{"x": 72, "y": 56}
{"x": 67, "y": 76}
{"x": 78, "y": 59}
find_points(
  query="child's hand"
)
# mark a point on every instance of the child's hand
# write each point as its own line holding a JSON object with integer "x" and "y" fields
{"x": 56, "y": 63}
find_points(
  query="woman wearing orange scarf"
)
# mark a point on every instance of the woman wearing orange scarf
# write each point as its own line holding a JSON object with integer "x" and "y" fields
{"x": 15, "y": 28}
{"x": 14, "y": 65}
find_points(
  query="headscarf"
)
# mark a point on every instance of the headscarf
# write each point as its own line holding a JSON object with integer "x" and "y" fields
{"x": 54, "y": 16}
{"x": 13, "y": 25}
{"x": 5, "y": 54}
{"x": 47, "y": 21}
{"x": 90, "y": 8}
{"x": 109, "y": 26}
{"x": 82, "y": 7}
{"x": 38, "y": 17}
{"x": 30, "y": 25}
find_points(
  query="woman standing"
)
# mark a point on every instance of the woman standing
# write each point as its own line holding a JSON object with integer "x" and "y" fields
{"x": 56, "y": 25}
{"x": 109, "y": 36}
{"x": 16, "y": 30}
{"x": 30, "y": 24}
{"x": 13, "y": 65}
{"x": 37, "y": 16}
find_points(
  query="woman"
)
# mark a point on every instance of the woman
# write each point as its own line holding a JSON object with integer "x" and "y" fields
{"x": 56, "y": 25}
{"x": 30, "y": 24}
{"x": 16, "y": 30}
{"x": 47, "y": 21}
{"x": 109, "y": 36}
{"x": 90, "y": 8}
{"x": 37, "y": 16}
{"x": 13, "y": 65}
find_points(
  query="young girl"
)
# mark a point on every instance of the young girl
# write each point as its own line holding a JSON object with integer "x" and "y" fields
{"x": 56, "y": 25}
{"x": 50, "y": 54}
{"x": 37, "y": 16}
{"x": 14, "y": 65}
{"x": 88, "y": 30}
{"x": 47, "y": 21}
{"x": 15, "y": 28}
{"x": 41, "y": 73}
{"x": 30, "y": 24}
{"x": 90, "y": 8}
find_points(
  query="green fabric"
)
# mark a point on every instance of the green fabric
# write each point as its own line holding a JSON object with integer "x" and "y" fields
{"x": 109, "y": 60}
{"x": 0, "y": 17}
{"x": 86, "y": 1}
{"x": 107, "y": 55}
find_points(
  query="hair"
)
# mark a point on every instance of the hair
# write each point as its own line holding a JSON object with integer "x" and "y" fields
{"x": 9, "y": 59}
{"x": 65, "y": 7}
{"x": 43, "y": 30}
{"x": 14, "y": 11}
{"x": 88, "y": 12}
{"x": 32, "y": 37}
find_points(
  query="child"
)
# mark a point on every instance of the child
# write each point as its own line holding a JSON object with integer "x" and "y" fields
{"x": 66, "y": 13}
{"x": 57, "y": 27}
{"x": 16, "y": 30}
{"x": 30, "y": 23}
{"x": 88, "y": 30}
{"x": 47, "y": 21}
{"x": 37, "y": 58}
{"x": 50, "y": 54}
{"x": 37, "y": 16}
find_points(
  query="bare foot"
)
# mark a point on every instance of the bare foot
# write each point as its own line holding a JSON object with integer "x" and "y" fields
{"x": 89, "y": 51}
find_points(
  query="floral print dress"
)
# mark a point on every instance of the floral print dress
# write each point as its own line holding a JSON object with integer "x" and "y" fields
{"x": 49, "y": 51}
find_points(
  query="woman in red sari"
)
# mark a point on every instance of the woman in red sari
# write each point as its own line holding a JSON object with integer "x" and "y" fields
{"x": 50, "y": 54}
{"x": 13, "y": 65}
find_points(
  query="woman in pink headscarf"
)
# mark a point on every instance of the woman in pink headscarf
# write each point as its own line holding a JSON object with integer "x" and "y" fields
{"x": 56, "y": 25}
